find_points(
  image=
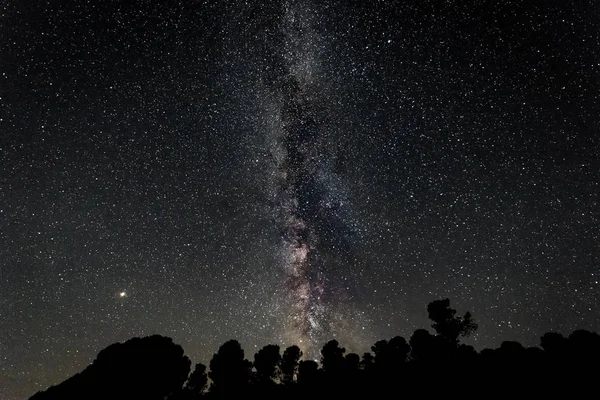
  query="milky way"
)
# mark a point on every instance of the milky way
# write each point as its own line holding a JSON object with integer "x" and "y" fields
{"x": 307, "y": 208}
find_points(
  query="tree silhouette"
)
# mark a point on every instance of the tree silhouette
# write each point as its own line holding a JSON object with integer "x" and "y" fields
{"x": 390, "y": 356}
{"x": 398, "y": 350}
{"x": 352, "y": 362}
{"x": 194, "y": 386}
{"x": 584, "y": 344}
{"x": 332, "y": 357}
{"x": 447, "y": 324}
{"x": 154, "y": 368}
{"x": 380, "y": 351}
{"x": 289, "y": 363}
{"x": 266, "y": 363}
{"x": 197, "y": 380}
{"x": 466, "y": 354}
{"x": 554, "y": 343}
{"x": 512, "y": 348}
{"x": 229, "y": 371}
{"x": 421, "y": 345}
{"x": 367, "y": 362}
{"x": 308, "y": 373}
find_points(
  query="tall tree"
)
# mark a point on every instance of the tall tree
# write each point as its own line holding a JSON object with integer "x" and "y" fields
{"x": 447, "y": 324}
{"x": 289, "y": 363}
{"x": 332, "y": 357}
{"x": 229, "y": 371}
{"x": 266, "y": 363}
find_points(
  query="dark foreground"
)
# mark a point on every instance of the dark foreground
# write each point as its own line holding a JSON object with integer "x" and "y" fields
{"x": 428, "y": 365}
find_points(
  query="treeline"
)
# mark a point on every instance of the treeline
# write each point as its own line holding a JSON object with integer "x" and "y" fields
{"x": 427, "y": 365}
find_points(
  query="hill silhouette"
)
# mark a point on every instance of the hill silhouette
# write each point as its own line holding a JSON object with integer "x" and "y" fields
{"x": 430, "y": 365}
{"x": 141, "y": 368}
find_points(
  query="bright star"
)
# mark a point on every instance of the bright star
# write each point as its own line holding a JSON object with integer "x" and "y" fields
{"x": 122, "y": 294}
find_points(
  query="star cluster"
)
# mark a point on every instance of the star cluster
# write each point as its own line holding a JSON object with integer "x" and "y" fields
{"x": 286, "y": 171}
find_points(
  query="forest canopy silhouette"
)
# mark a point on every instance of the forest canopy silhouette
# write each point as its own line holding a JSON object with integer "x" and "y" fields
{"x": 428, "y": 364}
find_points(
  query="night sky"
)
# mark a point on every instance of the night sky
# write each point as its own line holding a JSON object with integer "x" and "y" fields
{"x": 290, "y": 172}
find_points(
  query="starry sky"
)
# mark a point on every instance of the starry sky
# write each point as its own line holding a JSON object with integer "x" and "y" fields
{"x": 289, "y": 171}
